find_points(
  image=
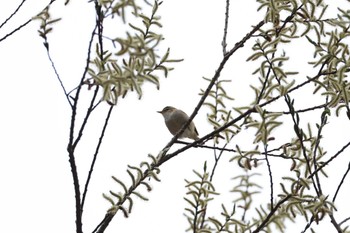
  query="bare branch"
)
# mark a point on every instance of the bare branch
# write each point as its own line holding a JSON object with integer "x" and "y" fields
{"x": 58, "y": 77}
{"x": 341, "y": 182}
{"x": 95, "y": 156}
{"x": 227, "y": 13}
{"x": 270, "y": 176}
{"x": 17, "y": 9}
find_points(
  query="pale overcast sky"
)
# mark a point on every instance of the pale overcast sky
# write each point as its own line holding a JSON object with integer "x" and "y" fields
{"x": 36, "y": 185}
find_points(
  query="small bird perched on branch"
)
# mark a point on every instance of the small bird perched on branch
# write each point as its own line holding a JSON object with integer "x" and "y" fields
{"x": 175, "y": 119}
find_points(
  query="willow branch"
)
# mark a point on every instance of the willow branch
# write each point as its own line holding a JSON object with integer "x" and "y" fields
{"x": 272, "y": 212}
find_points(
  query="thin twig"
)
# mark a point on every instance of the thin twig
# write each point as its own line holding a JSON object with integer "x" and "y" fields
{"x": 344, "y": 221}
{"x": 95, "y": 155}
{"x": 224, "y": 43}
{"x": 341, "y": 182}
{"x": 272, "y": 212}
{"x": 233, "y": 150}
{"x": 86, "y": 118}
{"x": 314, "y": 157}
{"x": 299, "y": 134}
{"x": 302, "y": 110}
{"x": 308, "y": 225}
{"x": 15, "y": 30}
{"x": 58, "y": 77}
{"x": 17, "y": 9}
{"x": 217, "y": 161}
{"x": 329, "y": 160}
{"x": 270, "y": 175}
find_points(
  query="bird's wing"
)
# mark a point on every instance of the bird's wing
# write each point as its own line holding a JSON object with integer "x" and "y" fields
{"x": 191, "y": 124}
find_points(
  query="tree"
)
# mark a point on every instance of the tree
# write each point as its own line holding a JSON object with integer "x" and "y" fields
{"x": 273, "y": 123}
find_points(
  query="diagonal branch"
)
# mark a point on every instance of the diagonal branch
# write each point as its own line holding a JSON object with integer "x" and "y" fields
{"x": 95, "y": 156}
{"x": 15, "y": 11}
{"x": 329, "y": 160}
{"x": 22, "y": 25}
{"x": 341, "y": 183}
{"x": 58, "y": 76}
{"x": 272, "y": 212}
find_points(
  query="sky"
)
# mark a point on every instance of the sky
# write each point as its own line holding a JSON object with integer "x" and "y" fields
{"x": 35, "y": 177}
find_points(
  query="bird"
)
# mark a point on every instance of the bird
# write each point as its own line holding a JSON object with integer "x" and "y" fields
{"x": 174, "y": 120}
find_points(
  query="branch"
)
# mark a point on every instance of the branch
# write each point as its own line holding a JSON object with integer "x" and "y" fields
{"x": 224, "y": 44}
{"x": 341, "y": 182}
{"x": 318, "y": 140}
{"x": 302, "y": 110}
{"x": 308, "y": 224}
{"x": 335, "y": 224}
{"x": 58, "y": 77}
{"x": 15, "y": 30}
{"x": 267, "y": 219}
{"x": 218, "y": 158}
{"x": 17, "y": 9}
{"x": 329, "y": 160}
{"x": 270, "y": 175}
{"x": 78, "y": 220}
{"x": 233, "y": 150}
{"x": 86, "y": 118}
{"x": 344, "y": 221}
{"x": 95, "y": 155}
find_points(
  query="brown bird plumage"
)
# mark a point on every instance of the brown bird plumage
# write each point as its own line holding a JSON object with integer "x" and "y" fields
{"x": 175, "y": 119}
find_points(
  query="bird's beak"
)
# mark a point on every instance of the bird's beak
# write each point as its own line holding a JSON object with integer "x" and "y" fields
{"x": 159, "y": 111}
